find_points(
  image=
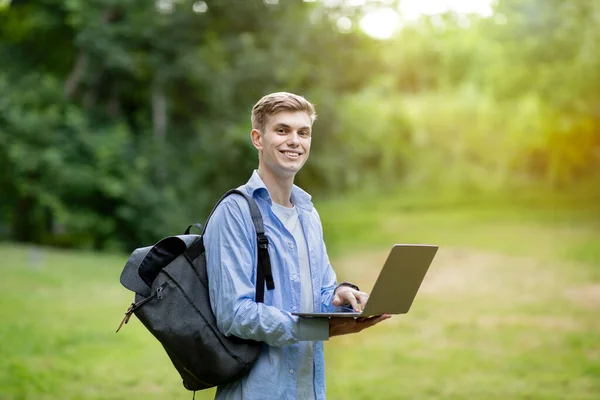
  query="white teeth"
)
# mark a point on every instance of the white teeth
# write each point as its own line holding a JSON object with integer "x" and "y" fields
{"x": 290, "y": 154}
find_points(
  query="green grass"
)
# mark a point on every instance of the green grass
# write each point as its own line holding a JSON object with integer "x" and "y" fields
{"x": 509, "y": 310}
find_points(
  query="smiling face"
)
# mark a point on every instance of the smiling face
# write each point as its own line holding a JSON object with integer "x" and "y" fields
{"x": 284, "y": 144}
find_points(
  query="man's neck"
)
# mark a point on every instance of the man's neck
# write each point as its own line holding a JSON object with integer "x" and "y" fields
{"x": 280, "y": 188}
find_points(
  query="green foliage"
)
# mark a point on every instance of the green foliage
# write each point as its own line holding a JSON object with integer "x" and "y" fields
{"x": 70, "y": 177}
{"x": 123, "y": 121}
{"x": 134, "y": 123}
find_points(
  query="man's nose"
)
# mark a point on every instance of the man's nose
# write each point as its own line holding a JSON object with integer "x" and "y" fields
{"x": 293, "y": 138}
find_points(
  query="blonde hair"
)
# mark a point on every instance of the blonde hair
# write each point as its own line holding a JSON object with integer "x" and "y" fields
{"x": 274, "y": 103}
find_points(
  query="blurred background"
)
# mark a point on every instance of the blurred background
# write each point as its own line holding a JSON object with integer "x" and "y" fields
{"x": 473, "y": 124}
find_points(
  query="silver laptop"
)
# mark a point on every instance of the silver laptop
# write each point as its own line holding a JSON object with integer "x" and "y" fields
{"x": 396, "y": 286}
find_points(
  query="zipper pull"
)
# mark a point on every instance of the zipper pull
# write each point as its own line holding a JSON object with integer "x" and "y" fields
{"x": 159, "y": 294}
{"x": 126, "y": 317}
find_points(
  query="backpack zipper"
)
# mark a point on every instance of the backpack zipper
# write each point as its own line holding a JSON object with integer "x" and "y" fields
{"x": 136, "y": 306}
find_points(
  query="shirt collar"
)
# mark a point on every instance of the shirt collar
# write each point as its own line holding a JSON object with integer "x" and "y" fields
{"x": 299, "y": 197}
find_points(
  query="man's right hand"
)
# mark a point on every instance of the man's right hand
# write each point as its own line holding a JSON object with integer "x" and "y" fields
{"x": 344, "y": 326}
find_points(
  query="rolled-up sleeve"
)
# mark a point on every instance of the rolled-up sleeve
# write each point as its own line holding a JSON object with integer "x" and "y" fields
{"x": 230, "y": 242}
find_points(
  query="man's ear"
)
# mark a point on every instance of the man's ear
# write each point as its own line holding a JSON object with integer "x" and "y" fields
{"x": 256, "y": 137}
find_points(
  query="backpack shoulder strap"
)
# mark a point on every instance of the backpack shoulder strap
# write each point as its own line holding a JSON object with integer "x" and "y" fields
{"x": 263, "y": 271}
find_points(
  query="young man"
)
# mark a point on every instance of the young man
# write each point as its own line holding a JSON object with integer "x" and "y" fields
{"x": 291, "y": 365}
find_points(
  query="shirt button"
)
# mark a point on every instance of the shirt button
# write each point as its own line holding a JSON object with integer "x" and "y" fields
{"x": 291, "y": 371}
{"x": 294, "y": 308}
{"x": 291, "y": 245}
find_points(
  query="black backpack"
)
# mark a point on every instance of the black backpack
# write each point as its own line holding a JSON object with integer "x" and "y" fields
{"x": 171, "y": 299}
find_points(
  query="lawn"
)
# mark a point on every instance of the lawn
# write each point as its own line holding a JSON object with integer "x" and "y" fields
{"x": 509, "y": 310}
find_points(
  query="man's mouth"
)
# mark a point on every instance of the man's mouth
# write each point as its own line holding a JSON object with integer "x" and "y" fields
{"x": 291, "y": 154}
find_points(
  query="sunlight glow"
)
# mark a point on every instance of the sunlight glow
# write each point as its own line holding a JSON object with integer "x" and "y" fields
{"x": 164, "y": 6}
{"x": 413, "y": 9}
{"x": 384, "y": 22}
{"x": 381, "y": 23}
{"x": 344, "y": 24}
{"x": 200, "y": 7}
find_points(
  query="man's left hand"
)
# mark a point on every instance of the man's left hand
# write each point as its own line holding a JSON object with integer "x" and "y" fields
{"x": 347, "y": 295}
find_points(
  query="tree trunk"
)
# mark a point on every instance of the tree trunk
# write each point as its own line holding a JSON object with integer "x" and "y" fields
{"x": 114, "y": 103}
{"x": 25, "y": 227}
{"x": 76, "y": 75}
{"x": 159, "y": 110}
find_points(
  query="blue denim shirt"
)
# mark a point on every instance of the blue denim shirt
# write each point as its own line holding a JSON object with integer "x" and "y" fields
{"x": 231, "y": 255}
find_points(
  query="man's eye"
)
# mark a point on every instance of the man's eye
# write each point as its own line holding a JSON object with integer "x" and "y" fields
{"x": 281, "y": 130}
{"x": 304, "y": 133}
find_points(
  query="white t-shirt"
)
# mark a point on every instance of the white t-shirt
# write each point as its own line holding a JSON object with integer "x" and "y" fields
{"x": 291, "y": 221}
